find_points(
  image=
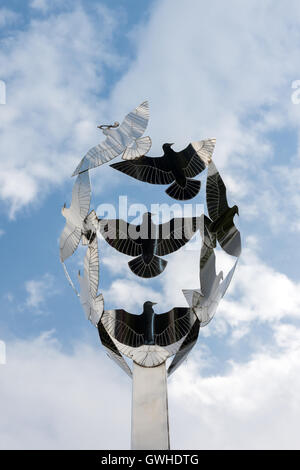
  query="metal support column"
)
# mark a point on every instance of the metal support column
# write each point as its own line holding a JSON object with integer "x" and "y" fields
{"x": 150, "y": 420}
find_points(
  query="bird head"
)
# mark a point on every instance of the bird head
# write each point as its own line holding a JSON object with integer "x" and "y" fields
{"x": 149, "y": 304}
{"x": 106, "y": 127}
{"x": 63, "y": 210}
{"x": 236, "y": 210}
{"x": 167, "y": 146}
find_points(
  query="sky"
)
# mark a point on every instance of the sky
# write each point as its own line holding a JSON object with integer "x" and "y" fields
{"x": 227, "y": 70}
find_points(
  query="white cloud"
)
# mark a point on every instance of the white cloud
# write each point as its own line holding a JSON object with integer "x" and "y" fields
{"x": 42, "y": 5}
{"x": 51, "y": 399}
{"x": 211, "y": 70}
{"x": 53, "y": 71}
{"x": 38, "y": 291}
{"x": 7, "y": 17}
{"x": 254, "y": 405}
{"x": 80, "y": 400}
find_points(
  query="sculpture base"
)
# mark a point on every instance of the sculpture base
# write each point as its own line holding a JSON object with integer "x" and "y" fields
{"x": 150, "y": 420}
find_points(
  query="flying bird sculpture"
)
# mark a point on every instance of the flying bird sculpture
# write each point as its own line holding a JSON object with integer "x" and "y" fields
{"x": 149, "y": 338}
{"x": 91, "y": 301}
{"x": 80, "y": 224}
{"x": 221, "y": 215}
{"x": 148, "y": 241}
{"x": 173, "y": 167}
{"x": 123, "y": 138}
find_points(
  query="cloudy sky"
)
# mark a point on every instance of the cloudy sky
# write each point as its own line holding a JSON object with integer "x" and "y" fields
{"x": 209, "y": 69}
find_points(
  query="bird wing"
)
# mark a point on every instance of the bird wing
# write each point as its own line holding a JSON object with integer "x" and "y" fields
{"x": 112, "y": 350}
{"x": 215, "y": 193}
{"x": 175, "y": 234}
{"x": 91, "y": 269}
{"x": 69, "y": 240}
{"x": 117, "y": 140}
{"x": 117, "y": 232}
{"x": 81, "y": 195}
{"x": 185, "y": 347}
{"x": 173, "y": 326}
{"x": 147, "y": 169}
{"x": 195, "y": 157}
{"x": 230, "y": 240}
{"x": 133, "y": 126}
{"x": 69, "y": 279}
{"x": 123, "y": 327}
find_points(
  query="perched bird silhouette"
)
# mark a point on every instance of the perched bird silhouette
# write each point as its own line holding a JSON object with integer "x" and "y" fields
{"x": 204, "y": 301}
{"x": 221, "y": 215}
{"x": 92, "y": 303}
{"x": 80, "y": 224}
{"x": 148, "y": 241}
{"x": 205, "y": 306}
{"x": 149, "y": 338}
{"x": 173, "y": 167}
{"x": 125, "y": 138}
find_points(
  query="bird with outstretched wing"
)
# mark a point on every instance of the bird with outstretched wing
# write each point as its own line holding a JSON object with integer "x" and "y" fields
{"x": 80, "y": 224}
{"x": 149, "y": 338}
{"x": 125, "y": 138}
{"x": 221, "y": 215}
{"x": 173, "y": 168}
{"x": 147, "y": 242}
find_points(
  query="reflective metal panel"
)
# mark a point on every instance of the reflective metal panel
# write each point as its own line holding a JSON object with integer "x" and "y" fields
{"x": 150, "y": 422}
{"x": 92, "y": 303}
{"x": 125, "y": 138}
{"x": 173, "y": 167}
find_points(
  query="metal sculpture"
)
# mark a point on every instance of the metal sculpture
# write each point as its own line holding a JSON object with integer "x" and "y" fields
{"x": 149, "y": 339}
{"x": 80, "y": 224}
{"x": 125, "y": 138}
{"x": 173, "y": 167}
{"x": 147, "y": 241}
{"x": 92, "y": 303}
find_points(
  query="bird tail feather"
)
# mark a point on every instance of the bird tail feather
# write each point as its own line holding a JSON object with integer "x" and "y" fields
{"x": 153, "y": 269}
{"x": 139, "y": 147}
{"x": 190, "y": 190}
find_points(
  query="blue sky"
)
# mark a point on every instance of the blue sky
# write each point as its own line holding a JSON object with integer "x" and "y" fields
{"x": 208, "y": 70}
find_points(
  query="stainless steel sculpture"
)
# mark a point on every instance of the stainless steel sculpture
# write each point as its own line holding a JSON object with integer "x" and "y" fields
{"x": 142, "y": 344}
{"x": 177, "y": 168}
{"x": 125, "y": 138}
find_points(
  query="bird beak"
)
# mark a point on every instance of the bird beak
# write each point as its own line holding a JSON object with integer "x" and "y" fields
{"x": 65, "y": 205}
{"x": 154, "y": 303}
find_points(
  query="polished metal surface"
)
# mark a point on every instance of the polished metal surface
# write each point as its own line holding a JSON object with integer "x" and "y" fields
{"x": 91, "y": 301}
{"x": 173, "y": 167}
{"x": 150, "y": 420}
{"x": 125, "y": 138}
{"x": 147, "y": 241}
